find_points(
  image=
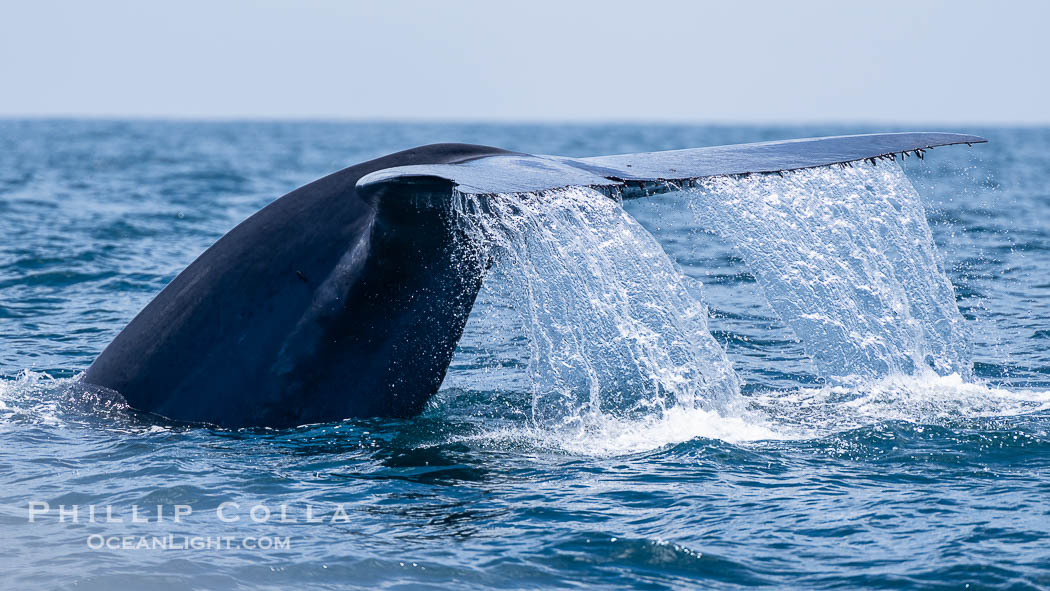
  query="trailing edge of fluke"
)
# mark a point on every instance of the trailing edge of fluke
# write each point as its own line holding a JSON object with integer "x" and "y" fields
{"x": 632, "y": 175}
{"x": 346, "y": 297}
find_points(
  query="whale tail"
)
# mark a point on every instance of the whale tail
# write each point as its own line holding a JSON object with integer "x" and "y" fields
{"x": 347, "y": 297}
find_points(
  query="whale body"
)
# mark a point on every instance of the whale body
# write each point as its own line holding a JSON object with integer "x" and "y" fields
{"x": 346, "y": 297}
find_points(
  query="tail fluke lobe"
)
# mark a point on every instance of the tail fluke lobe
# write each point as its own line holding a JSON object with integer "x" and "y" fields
{"x": 635, "y": 175}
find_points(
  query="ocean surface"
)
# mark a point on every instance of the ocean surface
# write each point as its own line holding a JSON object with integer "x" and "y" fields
{"x": 838, "y": 378}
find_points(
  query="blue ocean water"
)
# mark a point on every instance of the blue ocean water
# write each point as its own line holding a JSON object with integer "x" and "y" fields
{"x": 901, "y": 478}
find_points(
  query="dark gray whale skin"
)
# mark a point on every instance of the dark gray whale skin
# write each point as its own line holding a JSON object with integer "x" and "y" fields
{"x": 346, "y": 297}
{"x": 323, "y": 305}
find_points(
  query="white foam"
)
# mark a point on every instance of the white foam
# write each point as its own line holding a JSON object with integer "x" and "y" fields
{"x": 927, "y": 399}
{"x": 606, "y": 435}
{"x": 37, "y": 398}
{"x": 30, "y": 397}
{"x": 803, "y": 414}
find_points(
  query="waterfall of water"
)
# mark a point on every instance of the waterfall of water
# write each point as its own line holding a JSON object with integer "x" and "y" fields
{"x": 614, "y": 327}
{"x": 621, "y": 358}
{"x": 846, "y": 258}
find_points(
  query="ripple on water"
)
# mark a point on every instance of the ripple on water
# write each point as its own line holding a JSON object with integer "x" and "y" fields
{"x": 923, "y": 481}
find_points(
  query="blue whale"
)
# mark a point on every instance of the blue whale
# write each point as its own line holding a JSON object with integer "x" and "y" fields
{"x": 346, "y": 297}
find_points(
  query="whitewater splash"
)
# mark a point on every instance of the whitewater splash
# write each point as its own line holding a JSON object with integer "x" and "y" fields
{"x": 36, "y": 398}
{"x": 925, "y": 399}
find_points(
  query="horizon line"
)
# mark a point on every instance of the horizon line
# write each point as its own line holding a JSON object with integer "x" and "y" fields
{"x": 668, "y": 122}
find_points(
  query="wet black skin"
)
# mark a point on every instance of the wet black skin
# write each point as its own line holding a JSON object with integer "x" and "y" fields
{"x": 324, "y": 305}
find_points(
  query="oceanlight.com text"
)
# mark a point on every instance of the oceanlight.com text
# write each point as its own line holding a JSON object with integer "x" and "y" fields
{"x": 174, "y": 542}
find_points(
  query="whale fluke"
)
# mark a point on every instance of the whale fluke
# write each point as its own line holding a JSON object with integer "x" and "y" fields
{"x": 635, "y": 175}
{"x": 346, "y": 297}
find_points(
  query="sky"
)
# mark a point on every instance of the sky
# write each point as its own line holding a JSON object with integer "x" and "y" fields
{"x": 567, "y": 60}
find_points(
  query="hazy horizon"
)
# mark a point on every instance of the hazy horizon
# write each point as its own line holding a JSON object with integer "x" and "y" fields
{"x": 935, "y": 63}
{"x": 887, "y": 125}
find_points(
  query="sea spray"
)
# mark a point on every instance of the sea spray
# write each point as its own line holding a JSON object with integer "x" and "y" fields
{"x": 614, "y": 328}
{"x": 845, "y": 257}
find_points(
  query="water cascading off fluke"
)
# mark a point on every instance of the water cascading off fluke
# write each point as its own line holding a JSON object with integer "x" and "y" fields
{"x": 846, "y": 258}
{"x": 614, "y": 327}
